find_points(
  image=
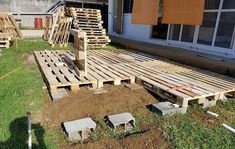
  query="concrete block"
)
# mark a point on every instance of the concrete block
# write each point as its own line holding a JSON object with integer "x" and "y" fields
{"x": 61, "y": 93}
{"x": 121, "y": 122}
{"x": 208, "y": 103}
{"x": 167, "y": 108}
{"x": 79, "y": 130}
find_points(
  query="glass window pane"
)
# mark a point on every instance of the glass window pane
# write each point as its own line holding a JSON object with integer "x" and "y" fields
{"x": 159, "y": 31}
{"x": 188, "y": 33}
{"x": 212, "y": 4}
{"x": 128, "y": 4}
{"x": 229, "y": 4}
{"x": 226, "y": 29}
{"x": 207, "y": 28}
{"x": 175, "y": 32}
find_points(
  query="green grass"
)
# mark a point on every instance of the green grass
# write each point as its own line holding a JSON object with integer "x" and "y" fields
{"x": 21, "y": 92}
{"x": 187, "y": 131}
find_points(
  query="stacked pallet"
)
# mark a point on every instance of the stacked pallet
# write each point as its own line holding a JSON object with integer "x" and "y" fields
{"x": 9, "y": 30}
{"x": 58, "y": 28}
{"x": 90, "y": 21}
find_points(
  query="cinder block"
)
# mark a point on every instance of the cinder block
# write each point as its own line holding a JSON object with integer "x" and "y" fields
{"x": 165, "y": 108}
{"x": 61, "y": 93}
{"x": 79, "y": 129}
{"x": 121, "y": 122}
{"x": 208, "y": 103}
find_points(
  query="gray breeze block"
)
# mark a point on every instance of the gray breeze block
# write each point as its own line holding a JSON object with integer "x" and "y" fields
{"x": 79, "y": 129}
{"x": 125, "y": 119}
{"x": 167, "y": 108}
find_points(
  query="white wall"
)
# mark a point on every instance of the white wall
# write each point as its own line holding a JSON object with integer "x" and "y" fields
{"x": 133, "y": 31}
{"x": 142, "y": 33}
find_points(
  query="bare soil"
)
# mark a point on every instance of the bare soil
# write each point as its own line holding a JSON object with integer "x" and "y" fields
{"x": 28, "y": 58}
{"x": 118, "y": 99}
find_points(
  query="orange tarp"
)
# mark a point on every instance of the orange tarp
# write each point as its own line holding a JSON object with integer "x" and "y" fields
{"x": 189, "y": 12}
{"x": 145, "y": 12}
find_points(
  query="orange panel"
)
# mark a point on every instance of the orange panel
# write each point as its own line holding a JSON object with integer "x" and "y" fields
{"x": 188, "y": 12}
{"x": 145, "y": 12}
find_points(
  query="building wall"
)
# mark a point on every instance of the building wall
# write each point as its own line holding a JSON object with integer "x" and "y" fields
{"x": 25, "y": 5}
{"x": 28, "y": 10}
{"x": 143, "y": 32}
{"x": 135, "y": 32}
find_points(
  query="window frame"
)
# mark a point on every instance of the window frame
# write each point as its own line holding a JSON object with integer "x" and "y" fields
{"x": 196, "y": 45}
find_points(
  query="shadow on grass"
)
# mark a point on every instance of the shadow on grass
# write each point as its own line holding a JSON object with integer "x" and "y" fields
{"x": 19, "y": 135}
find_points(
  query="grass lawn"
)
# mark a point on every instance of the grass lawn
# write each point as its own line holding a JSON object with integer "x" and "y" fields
{"x": 22, "y": 91}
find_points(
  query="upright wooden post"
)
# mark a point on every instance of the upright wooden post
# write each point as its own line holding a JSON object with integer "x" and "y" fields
{"x": 80, "y": 51}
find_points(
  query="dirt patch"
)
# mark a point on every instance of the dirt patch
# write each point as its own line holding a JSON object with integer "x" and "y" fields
{"x": 118, "y": 99}
{"x": 205, "y": 118}
{"x": 28, "y": 58}
{"x": 150, "y": 140}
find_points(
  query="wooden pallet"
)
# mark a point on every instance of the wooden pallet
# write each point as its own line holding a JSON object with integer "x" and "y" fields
{"x": 71, "y": 10}
{"x": 90, "y": 21}
{"x": 181, "y": 85}
{"x": 57, "y": 68}
{"x": 121, "y": 56}
{"x": 9, "y": 27}
{"x": 4, "y": 43}
{"x": 60, "y": 29}
{"x": 9, "y": 30}
{"x": 60, "y": 34}
{"x": 58, "y": 72}
{"x": 174, "y": 82}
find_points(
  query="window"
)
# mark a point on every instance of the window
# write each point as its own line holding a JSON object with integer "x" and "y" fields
{"x": 160, "y": 31}
{"x": 175, "y": 32}
{"x": 207, "y": 28}
{"x": 226, "y": 30}
{"x": 212, "y": 4}
{"x": 188, "y": 33}
{"x": 229, "y": 4}
{"x": 128, "y": 4}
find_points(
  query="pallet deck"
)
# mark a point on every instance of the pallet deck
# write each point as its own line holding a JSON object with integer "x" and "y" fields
{"x": 173, "y": 81}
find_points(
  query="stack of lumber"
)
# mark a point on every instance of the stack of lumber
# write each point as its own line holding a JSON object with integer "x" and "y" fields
{"x": 9, "y": 30}
{"x": 90, "y": 21}
{"x": 80, "y": 52}
{"x": 58, "y": 28}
